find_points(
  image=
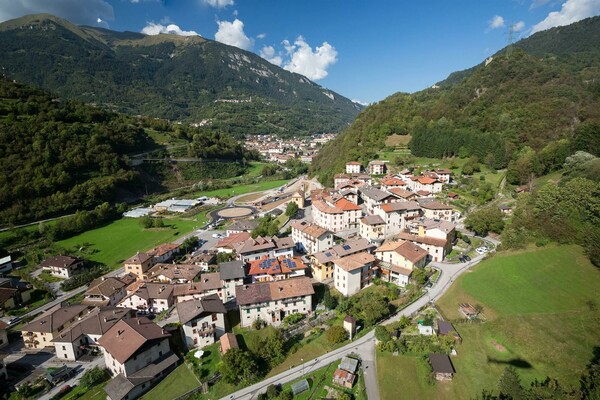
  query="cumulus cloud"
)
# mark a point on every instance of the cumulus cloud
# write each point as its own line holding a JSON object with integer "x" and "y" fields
{"x": 268, "y": 53}
{"x": 232, "y": 33}
{"x": 571, "y": 11}
{"x": 362, "y": 103}
{"x": 261, "y": 36}
{"x": 518, "y": 26}
{"x": 154, "y": 29}
{"x": 496, "y": 22}
{"x": 218, "y": 3}
{"x": 305, "y": 61}
{"x": 75, "y": 11}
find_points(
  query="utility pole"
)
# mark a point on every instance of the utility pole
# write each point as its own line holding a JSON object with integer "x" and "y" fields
{"x": 510, "y": 35}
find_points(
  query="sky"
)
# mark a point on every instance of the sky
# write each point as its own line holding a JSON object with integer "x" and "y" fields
{"x": 364, "y": 50}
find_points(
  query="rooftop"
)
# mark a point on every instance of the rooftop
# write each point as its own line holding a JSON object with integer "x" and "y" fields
{"x": 354, "y": 261}
{"x": 440, "y": 363}
{"x": 192, "y": 309}
{"x": 276, "y": 290}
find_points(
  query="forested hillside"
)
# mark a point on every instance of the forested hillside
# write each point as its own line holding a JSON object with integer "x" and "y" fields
{"x": 528, "y": 97}
{"x": 189, "y": 79}
{"x": 58, "y": 156}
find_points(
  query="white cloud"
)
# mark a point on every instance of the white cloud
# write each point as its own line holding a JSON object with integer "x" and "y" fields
{"x": 135, "y": 1}
{"x": 537, "y": 3}
{"x": 518, "y": 26}
{"x": 305, "y": 61}
{"x": 232, "y": 33}
{"x": 268, "y": 53}
{"x": 218, "y": 3}
{"x": 571, "y": 11}
{"x": 261, "y": 36}
{"x": 496, "y": 22}
{"x": 75, "y": 11}
{"x": 154, "y": 29}
{"x": 362, "y": 103}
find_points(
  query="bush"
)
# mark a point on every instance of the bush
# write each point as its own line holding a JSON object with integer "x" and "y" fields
{"x": 93, "y": 376}
{"x": 293, "y": 318}
{"x": 382, "y": 334}
{"x": 336, "y": 334}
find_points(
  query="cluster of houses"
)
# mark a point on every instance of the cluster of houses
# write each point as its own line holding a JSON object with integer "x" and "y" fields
{"x": 279, "y": 150}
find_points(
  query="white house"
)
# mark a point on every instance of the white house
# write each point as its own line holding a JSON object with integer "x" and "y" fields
{"x": 352, "y": 273}
{"x": 202, "y": 320}
{"x": 436, "y": 210}
{"x": 372, "y": 228}
{"x": 353, "y": 167}
{"x": 396, "y": 215}
{"x": 62, "y": 266}
{"x": 311, "y": 238}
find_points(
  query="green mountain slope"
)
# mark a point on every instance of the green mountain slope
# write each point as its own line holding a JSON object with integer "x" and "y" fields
{"x": 545, "y": 88}
{"x": 168, "y": 76}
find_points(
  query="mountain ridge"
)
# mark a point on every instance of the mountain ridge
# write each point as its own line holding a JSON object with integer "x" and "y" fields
{"x": 191, "y": 79}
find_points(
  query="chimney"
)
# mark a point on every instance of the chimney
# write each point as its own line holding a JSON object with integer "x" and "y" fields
{"x": 139, "y": 321}
{"x": 105, "y": 319}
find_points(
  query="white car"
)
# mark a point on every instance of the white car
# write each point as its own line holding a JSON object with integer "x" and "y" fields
{"x": 480, "y": 250}
{"x": 216, "y": 235}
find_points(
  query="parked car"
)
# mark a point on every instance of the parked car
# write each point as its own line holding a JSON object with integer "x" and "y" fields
{"x": 216, "y": 235}
{"x": 480, "y": 250}
{"x": 467, "y": 258}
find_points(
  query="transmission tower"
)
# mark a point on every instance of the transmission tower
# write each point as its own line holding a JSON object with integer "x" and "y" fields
{"x": 510, "y": 36}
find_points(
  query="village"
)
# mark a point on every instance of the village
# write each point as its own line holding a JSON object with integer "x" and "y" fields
{"x": 370, "y": 228}
{"x": 279, "y": 149}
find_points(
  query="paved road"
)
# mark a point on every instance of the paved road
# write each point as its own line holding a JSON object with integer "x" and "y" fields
{"x": 364, "y": 346}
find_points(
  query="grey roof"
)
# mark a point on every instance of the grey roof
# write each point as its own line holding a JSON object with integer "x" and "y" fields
{"x": 349, "y": 364}
{"x": 243, "y": 225}
{"x": 343, "y": 250}
{"x": 441, "y": 363}
{"x": 232, "y": 270}
{"x": 189, "y": 310}
{"x": 55, "y": 317}
{"x": 445, "y": 327}
{"x": 372, "y": 220}
{"x": 376, "y": 194}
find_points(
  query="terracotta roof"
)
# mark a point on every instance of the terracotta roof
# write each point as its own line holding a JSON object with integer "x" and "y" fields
{"x": 275, "y": 266}
{"x": 163, "y": 249}
{"x": 354, "y": 261}
{"x": 346, "y": 205}
{"x": 393, "y": 182}
{"x": 192, "y": 309}
{"x": 128, "y": 335}
{"x": 411, "y": 252}
{"x": 175, "y": 271}
{"x": 276, "y": 290}
{"x": 228, "y": 341}
{"x": 233, "y": 240}
{"x": 443, "y": 171}
{"x": 423, "y": 192}
{"x": 436, "y": 205}
{"x": 388, "y": 246}
{"x": 324, "y": 208}
{"x": 372, "y": 220}
{"x": 353, "y": 163}
{"x": 402, "y": 192}
{"x": 139, "y": 258}
{"x": 60, "y": 261}
{"x": 424, "y": 180}
{"x": 3, "y": 325}
{"x": 54, "y": 318}
{"x": 400, "y": 206}
{"x": 422, "y": 239}
{"x": 312, "y": 230}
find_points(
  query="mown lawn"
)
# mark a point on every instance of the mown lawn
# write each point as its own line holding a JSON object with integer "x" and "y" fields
{"x": 177, "y": 383}
{"x": 540, "y": 315}
{"x": 234, "y": 191}
{"x": 400, "y": 376}
{"x": 121, "y": 239}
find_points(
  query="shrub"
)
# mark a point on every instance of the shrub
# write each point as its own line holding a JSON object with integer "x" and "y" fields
{"x": 336, "y": 334}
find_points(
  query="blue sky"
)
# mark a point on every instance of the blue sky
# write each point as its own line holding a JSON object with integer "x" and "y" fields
{"x": 364, "y": 50}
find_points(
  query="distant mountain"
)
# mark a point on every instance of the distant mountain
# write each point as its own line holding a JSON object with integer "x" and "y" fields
{"x": 532, "y": 93}
{"x": 188, "y": 79}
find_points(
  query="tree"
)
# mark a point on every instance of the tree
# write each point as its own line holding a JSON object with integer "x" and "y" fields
{"x": 485, "y": 220}
{"x": 509, "y": 385}
{"x": 189, "y": 243}
{"x": 93, "y": 376}
{"x": 267, "y": 226}
{"x": 344, "y": 396}
{"x": 273, "y": 349}
{"x": 419, "y": 276}
{"x": 382, "y": 334}
{"x": 239, "y": 367}
{"x": 329, "y": 301}
{"x": 336, "y": 334}
{"x": 291, "y": 209}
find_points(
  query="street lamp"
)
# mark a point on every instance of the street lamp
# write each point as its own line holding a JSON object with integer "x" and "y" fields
{"x": 302, "y": 360}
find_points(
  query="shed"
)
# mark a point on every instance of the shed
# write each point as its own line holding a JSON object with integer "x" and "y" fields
{"x": 349, "y": 364}
{"x": 445, "y": 328}
{"x": 300, "y": 386}
{"x": 343, "y": 378}
{"x": 441, "y": 366}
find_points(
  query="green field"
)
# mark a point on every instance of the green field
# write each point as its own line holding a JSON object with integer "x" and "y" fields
{"x": 121, "y": 239}
{"x": 177, "y": 383}
{"x": 242, "y": 189}
{"x": 399, "y": 375}
{"x": 540, "y": 312}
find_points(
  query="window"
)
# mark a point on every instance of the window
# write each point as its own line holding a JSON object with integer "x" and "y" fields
{"x": 214, "y": 317}
{"x": 160, "y": 353}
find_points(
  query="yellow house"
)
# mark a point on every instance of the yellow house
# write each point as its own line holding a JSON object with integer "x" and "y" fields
{"x": 139, "y": 264}
{"x": 299, "y": 198}
{"x": 40, "y": 332}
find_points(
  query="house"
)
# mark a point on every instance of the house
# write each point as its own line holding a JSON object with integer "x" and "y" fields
{"x": 506, "y": 210}
{"x": 374, "y": 198}
{"x": 106, "y": 291}
{"x": 299, "y": 197}
{"x": 372, "y": 228}
{"x": 164, "y": 252}
{"x": 398, "y": 260}
{"x": 442, "y": 367}
{"x": 436, "y": 228}
{"x": 444, "y": 175}
{"x": 353, "y": 167}
{"x": 339, "y": 179}
{"x": 202, "y": 320}
{"x": 272, "y": 301}
{"x": 424, "y": 183}
{"x": 335, "y": 215}
{"x": 137, "y": 355}
{"x": 446, "y": 328}
{"x": 228, "y": 341}
{"x": 344, "y": 378}
{"x": 71, "y": 343}
{"x": 62, "y": 266}
{"x": 242, "y": 226}
{"x": 276, "y": 268}
{"x": 349, "y": 364}
{"x": 311, "y": 238}
{"x": 232, "y": 274}
{"x": 377, "y": 167}
{"x": 150, "y": 297}
{"x": 349, "y": 194}
{"x": 453, "y": 196}
{"x": 353, "y": 272}
{"x": 14, "y": 293}
{"x": 436, "y": 210}
{"x": 405, "y": 175}
{"x": 397, "y": 215}
{"x": 255, "y": 249}
{"x": 173, "y": 273}
{"x": 209, "y": 283}
{"x": 392, "y": 183}
{"x": 404, "y": 194}
{"x": 349, "y": 325}
{"x": 3, "y": 334}
{"x": 139, "y": 264}
{"x": 40, "y": 332}
{"x": 321, "y": 263}
{"x": 203, "y": 260}
{"x": 437, "y": 248}
{"x": 232, "y": 241}
{"x": 6, "y": 265}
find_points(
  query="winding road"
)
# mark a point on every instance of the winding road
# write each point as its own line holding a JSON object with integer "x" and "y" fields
{"x": 365, "y": 345}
